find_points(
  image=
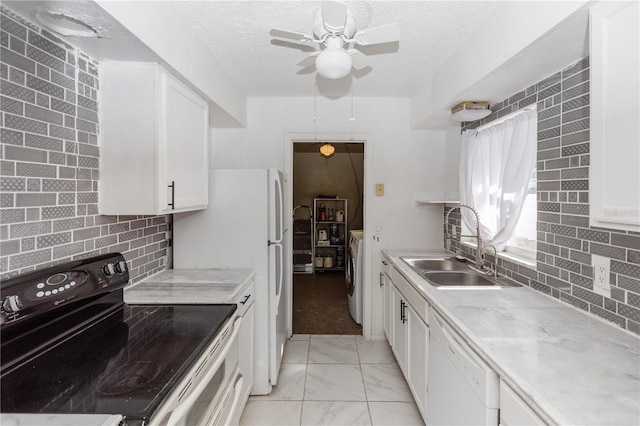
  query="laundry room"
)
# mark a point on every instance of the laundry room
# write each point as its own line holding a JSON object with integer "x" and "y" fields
{"x": 327, "y": 226}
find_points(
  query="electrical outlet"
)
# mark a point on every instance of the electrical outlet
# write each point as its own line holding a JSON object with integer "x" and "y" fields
{"x": 601, "y": 268}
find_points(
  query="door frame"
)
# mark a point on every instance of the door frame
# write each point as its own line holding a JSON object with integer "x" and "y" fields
{"x": 367, "y": 140}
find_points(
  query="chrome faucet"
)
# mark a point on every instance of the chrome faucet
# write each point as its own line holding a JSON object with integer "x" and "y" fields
{"x": 447, "y": 236}
{"x": 494, "y": 272}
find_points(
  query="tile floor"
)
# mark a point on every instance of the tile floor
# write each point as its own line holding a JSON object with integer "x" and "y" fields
{"x": 335, "y": 380}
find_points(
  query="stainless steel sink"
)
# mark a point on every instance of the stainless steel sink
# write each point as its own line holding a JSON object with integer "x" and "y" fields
{"x": 446, "y": 272}
{"x": 420, "y": 264}
{"x": 464, "y": 279}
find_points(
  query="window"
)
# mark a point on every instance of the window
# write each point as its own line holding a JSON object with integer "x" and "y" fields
{"x": 523, "y": 242}
{"x": 497, "y": 177}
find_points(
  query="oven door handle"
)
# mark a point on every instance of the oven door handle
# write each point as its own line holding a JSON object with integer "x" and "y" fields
{"x": 179, "y": 413}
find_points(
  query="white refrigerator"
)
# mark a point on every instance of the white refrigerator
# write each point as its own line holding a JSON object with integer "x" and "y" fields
{"x": 244, "y": 227}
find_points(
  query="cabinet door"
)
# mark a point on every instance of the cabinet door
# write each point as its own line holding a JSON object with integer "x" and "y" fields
{"x": 417, "y": 350}
{"x": 399, "y": 333}
{"x": 387, "y": 306}
{"x": 184, "y": 147}
{"x": 245, "y": 361}
{"x": 614, "y": 176}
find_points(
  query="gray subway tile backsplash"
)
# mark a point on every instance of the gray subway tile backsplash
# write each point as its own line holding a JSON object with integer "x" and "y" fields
{"x": 49, "y": 145}
{"x": 566, "y": 242}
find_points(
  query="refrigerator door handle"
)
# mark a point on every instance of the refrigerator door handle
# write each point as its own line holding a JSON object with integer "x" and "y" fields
{"x": 281, "y": 275}
{"x": 277, "y": 209}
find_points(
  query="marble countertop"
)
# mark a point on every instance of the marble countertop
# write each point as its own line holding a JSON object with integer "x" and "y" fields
{"x": 10, "y": 419}
{"x": 572, "y": 368}
{"x": 179, "y": 286}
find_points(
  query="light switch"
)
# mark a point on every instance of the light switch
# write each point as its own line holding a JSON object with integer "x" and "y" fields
{"x": 379, "y": 189}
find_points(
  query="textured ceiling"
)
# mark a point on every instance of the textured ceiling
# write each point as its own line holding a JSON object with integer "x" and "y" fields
{"x": 237, "y": 33}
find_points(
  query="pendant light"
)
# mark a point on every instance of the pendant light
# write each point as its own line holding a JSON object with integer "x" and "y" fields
{"x": 327, "y": 150}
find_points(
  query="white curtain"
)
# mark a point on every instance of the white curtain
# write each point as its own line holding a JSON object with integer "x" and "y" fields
{"x": 496, "y": 165}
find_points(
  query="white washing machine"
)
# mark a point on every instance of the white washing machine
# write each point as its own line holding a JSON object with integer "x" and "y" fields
{"x": 355, "y": 280}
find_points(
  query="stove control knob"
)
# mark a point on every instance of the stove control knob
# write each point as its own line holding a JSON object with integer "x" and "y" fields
{"x": 12, "y": 304}
{"x": 109, "y": 269}
{"x": 121, "y": 266}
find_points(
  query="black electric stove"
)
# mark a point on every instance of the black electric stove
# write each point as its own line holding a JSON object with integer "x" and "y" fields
{"x": 82, "y": 350}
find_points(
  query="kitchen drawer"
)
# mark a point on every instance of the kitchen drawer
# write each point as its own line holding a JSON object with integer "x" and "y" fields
{"x": 386, "y": 267}
{"x": 245, "y": 299}
{"x": 417, "y": 302}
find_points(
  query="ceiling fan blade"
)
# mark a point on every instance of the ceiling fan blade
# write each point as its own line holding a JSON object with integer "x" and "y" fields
{"x": 292, "y": 35}
{"x": 359, "y": 61}
{"x": 382, "y": 34}
{"x": 309, "y": 60}
{"x": 334, "y": 15}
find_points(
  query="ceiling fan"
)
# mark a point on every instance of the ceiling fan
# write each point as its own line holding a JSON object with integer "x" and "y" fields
{"x": 335, "y": 37}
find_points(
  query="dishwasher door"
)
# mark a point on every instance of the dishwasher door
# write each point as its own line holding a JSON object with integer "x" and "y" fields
{"x": 461, "y": 388}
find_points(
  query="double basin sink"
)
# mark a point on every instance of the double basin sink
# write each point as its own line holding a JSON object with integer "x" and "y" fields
{"x": 451, "y": 272}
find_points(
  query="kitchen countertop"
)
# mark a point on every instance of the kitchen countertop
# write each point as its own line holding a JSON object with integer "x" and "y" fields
{"x": 572, "y": 368}
{"x": 10, "y": 419}
{"x": 181, "y": 286}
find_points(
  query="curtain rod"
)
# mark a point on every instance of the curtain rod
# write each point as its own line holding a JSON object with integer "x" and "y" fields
{"x": 502, "y": 119}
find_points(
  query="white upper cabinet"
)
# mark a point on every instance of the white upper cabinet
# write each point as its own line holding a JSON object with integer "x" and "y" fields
{"x": 154, "y": 134}
{"x": 615, "y": 107}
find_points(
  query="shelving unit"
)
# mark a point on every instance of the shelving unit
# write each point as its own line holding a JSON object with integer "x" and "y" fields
{"x": 332, "y": 225}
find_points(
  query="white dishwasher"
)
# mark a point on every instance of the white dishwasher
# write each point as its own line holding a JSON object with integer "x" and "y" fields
{"x": 461, "y": 388}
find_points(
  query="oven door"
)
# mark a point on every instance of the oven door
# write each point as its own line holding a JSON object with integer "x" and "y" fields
{"x": 210, "y": 393}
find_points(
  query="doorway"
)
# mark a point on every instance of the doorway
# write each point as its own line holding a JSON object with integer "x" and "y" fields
{"x": 320, "y": 298}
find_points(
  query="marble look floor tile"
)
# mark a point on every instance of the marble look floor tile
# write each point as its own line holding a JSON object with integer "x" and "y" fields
{"x": 296, "y": 352}
{"x": 279, "y": 413}
{"x": 394, "y": 413}
{"x": 300, "y": 337}
{"x": 333, "y": 350}
{"x": 374, "y": 352}
{"x": 329, "y": 382}
{"x": 334, "y": 413}
{"x": 385, "y": 382}
{"x": 290, "y": 385}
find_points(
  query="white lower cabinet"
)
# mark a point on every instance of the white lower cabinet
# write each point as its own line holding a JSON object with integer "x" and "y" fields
{"x": 409, "y": 335}
{"x": 406, "y": 316}
{"x": 386, "y": 284}
{"x": 417, "y": 358}
{"x": 514, "y": 411}
{"x": 246, "y": 308}
{"x": 399, "y": 329}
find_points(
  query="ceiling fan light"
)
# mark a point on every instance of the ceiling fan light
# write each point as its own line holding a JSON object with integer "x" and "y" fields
{"x": 327, "y": 150}
{"x": 333, "y": 63}
{"x": 470, "y": 111}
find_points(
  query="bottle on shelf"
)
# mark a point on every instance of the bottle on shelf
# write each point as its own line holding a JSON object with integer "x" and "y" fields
{"x": 330, "y": 214}
{"x": 322, "y": 212}
{"x": 334, "y": 237}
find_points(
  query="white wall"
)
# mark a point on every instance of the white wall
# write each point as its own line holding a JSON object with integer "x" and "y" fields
{"x": 406, "y": 161}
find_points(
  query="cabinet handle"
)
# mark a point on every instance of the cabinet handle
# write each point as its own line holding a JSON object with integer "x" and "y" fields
{"x": 245, "y": 299}
{"x": 385, "y": 263}
{"x": 173, "y": 195}
{"x": 403, "y": 314}
{"x": 381, "y": 279}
